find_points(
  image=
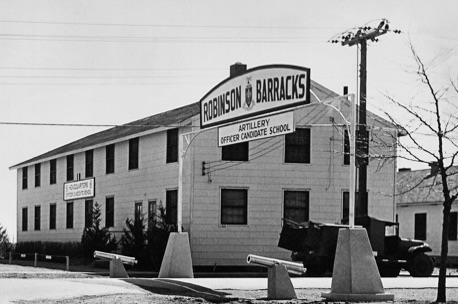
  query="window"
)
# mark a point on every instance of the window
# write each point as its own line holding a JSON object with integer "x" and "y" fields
{"x": 69, "y": 167}
{"x": 171, "y": 204}
{"x": 88, "y": 207}
{"x": 24, "y": 219}
{"x": 138, "y": 210}
{"x": 151, "y": 213}
{"x": 235, "y": 152}
{"x": 52, "y": 216}
{"x": 452, "y": 230}
{"x": 346, "y": 148}
{"x": 296, "y": 206}
{"x": 110, "y": 159}
{"x": 234, "y": 206}
{"x": 172, "y": 146}
{"x": 133, "y": 153}
{"x": 297, "y": 147}
{"x": 37, "y": 175}
{"x": 52, "y": 172}
{"x": 90, "y": 163}
{"x": 109, "y": 212}
{"x": 37, "y": 217}
{"x": 24, "y": 177}
{"x": 420, "y": 226}
{"x": 69, "y": 215}
{"x": 345, "y": 204}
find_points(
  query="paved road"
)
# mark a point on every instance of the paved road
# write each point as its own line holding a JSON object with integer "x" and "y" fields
{"x": 35, "y": 289}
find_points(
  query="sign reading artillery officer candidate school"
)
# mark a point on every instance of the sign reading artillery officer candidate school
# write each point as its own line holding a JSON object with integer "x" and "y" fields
{"x": 259, "y": 90}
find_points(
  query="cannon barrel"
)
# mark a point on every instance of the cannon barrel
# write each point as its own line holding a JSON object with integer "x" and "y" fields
{"x": 111, "y": 256}
{"x": 296, "y": 268}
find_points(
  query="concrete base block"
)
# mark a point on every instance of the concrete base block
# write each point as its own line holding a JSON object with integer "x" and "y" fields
{"x": 177, "y": 262}
{"x": 279, "y": 286}
{"x": 355, "y": 275}
{"x": 117, "y": 269}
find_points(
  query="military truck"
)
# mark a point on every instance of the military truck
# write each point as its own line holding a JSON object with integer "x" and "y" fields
{"x": 314, "y": 244}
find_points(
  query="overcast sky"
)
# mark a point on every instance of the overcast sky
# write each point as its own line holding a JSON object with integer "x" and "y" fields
{"x": 111, "y": 62}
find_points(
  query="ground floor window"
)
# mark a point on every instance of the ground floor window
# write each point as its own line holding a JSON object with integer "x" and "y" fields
{"x": 171, "y": 204}
{"x": 37, "y": 217}
{"x": 138, "y": 210}
{"x": 420, "y": 226}
{"x": 25, "y": 218}
{"x": 52, "y": 216}
{"x": 109, "y": 212}
{"x": 88, "y": 207}
{"x": 69, "y": 215}
{"x": 151, "y": 213}
{"x": 234, "y": 206}
{"x": 296, "y": 206}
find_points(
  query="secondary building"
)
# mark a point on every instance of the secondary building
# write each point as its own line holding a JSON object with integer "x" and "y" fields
{"x": 234, "y": 195}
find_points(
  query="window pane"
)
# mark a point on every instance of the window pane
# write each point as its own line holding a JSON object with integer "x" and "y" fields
{"x": 234, "y": 206}
{"x": 171, "y": 204}
{"x": 110, "y": 159}
{"x": 52, "y": 216}
{"x": 52, "y": 171}
{"x": 69, "y": 215}
{"x": 172, "y": 146}
{"x": 133, "y": 153}
{"x": 420, "y": 226}
{"x": 109, "y": 212}
{"x": 24, "y": 219}
{"x": 90, "y": 163}
{"x": 235, "y": 152}
{"x": 297, "y": 147}
{"x": 296, "y": 206}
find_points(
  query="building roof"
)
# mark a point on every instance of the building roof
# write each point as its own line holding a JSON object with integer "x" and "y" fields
{"x": 172, "y": 118}
{"x": 420, "y": 187}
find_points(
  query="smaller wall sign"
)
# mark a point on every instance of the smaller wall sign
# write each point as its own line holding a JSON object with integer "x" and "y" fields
{"x": 79, "y": 189}
{"x": 258, "y": 128}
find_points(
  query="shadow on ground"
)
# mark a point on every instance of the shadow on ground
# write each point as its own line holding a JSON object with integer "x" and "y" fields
{"x": 177, "y": 288}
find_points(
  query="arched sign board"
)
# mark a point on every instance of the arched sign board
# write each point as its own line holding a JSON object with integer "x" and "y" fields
{"x": 259, "y": 90}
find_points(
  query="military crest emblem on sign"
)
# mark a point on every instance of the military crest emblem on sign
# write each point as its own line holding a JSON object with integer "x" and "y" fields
{"x": 249, "y": 102}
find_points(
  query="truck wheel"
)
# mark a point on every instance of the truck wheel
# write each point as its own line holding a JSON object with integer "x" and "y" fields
{"x": 421, "y": 266}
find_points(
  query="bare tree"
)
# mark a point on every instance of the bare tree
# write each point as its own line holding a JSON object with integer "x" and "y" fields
{"x": 433, "y": 119}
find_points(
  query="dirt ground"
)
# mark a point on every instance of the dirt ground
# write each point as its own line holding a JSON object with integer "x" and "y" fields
{"x": 402, "y": 296}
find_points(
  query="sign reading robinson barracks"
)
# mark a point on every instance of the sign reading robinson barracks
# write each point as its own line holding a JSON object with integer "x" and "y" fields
{"x": 259, "y": 90}
{"x": 79, "y": 189}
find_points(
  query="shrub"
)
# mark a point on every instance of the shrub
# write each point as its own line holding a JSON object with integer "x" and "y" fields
{"x": 5, "y": 244}
{"x": 72, "y": 249}
{"x": 96, "y": 238}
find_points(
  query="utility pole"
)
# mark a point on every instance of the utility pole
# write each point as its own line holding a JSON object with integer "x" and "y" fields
{"x": 359, "y": 36}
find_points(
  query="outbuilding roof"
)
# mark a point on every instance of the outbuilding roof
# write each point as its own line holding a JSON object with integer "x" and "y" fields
{"x": 169, "y": 119}
{"x": 422, "y": 187}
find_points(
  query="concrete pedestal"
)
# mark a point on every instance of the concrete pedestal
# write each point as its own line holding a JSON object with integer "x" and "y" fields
{"x": 279, "y": 286}
{"x": 177, "y": 262}
{"x": 117, "y": 269}
{"x": 355, "y": 276}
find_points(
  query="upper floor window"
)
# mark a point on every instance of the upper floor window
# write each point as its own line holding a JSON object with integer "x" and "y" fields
{"x": 296, "y": 206}
{"x": 110, "y": 158}
{"x": 172, "y": 146}
{"x": 69, "y": 167}
{"x": 52, "y": 172}
{"x": 133, "y": 153}
{"x": 37, "y": 175}
{"x": 90, "y": 163}
{"x": 235, "y": 152}
{"x": 234, "y": 206}
{"x": 25, "y": 174}
{"x": 346, "y": 148}
{"x": 297, "y": 146}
